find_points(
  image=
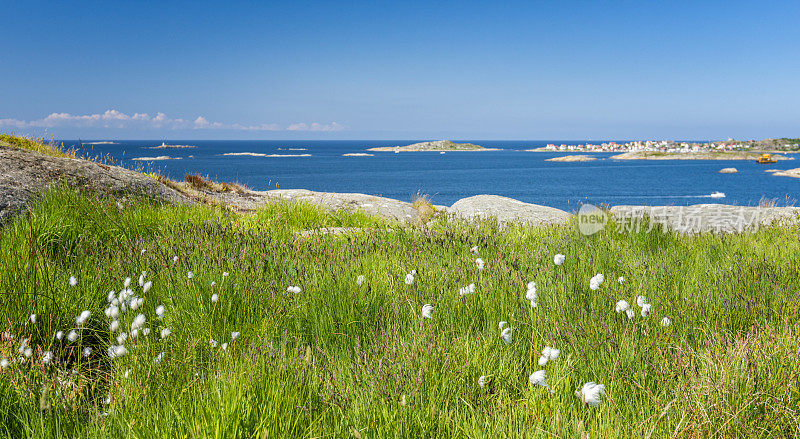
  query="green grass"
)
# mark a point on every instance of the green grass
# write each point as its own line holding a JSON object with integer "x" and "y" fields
{"x": 39, "y": 145}
{"x": 340, "y": 359}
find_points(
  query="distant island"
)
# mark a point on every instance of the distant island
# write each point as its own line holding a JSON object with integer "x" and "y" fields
{"x": 671, "y": 146}
{"x": 165, "y": 146}
{"x": 694, "y": 155}
{"x": 438, "y": 145}
{"x": 152, "y": 159}
{"x": 572, "y": 158}
{"x": 259, "y": 154}
{"x": 795, "y": 173}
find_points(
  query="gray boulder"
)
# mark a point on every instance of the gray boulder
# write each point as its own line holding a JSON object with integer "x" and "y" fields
{"x": 380, "y": 206}
{"x": 507, "y": 210}
{"x": 25, "y": 174}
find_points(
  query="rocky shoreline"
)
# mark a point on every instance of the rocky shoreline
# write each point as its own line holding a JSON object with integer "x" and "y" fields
{"x": 711, "y": 155}
{"x": 25, "y": 174}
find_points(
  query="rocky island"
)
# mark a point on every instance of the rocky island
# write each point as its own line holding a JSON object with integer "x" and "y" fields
{"x": 572, "y": 158}
{"x": 165, "y": 146}
{"x": 795, "y": 173}
{"x": 698, "y": 155}
{"x": 438, "y": 145}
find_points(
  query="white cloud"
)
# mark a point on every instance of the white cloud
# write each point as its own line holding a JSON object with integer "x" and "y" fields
{"x": 302, "y": 126}
{"x": 116, "y": 119}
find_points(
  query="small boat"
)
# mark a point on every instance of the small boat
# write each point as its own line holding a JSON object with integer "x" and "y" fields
{"x": 717, "y": 194}
{"x": 766, "y": 158}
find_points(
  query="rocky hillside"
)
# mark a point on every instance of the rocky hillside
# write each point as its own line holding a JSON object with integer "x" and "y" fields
{"x": 24, "y": 174}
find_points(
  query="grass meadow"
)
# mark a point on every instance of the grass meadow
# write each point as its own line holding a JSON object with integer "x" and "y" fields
{"x": 272, "y": 335}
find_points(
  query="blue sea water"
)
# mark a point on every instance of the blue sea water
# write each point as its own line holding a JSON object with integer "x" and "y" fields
{"x": 510, "y": 172}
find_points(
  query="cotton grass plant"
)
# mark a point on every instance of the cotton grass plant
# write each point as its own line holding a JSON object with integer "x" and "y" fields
{"x": 295, "y": 346}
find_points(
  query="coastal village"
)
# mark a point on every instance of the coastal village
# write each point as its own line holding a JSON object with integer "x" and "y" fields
{"x": 670, "y": 146}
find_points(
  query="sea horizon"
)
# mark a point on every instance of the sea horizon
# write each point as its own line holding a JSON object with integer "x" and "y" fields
{"x": 510, "y": 171}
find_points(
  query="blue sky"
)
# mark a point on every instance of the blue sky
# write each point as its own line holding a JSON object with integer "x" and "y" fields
{"x": 401, "y": 70}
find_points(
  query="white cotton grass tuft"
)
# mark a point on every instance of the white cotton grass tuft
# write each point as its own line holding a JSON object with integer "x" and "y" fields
{"x": 621, "y": 280}
{"x": 159, "y": 357}
{"x": 469, "y": 289}
{"x": 120, "y": 351}
{"x": 138, "y": 322}
{"x": 4, "y": 363}
{"x": 136, "y": 303}
{"x": 409, "y": 278}
{"x": 641, "y": 301}
{"x": 548, "y": 354}
{"x": 160, "y": 311}
{"x": 122, "y": 338}
{"x": 215, "y": 297}
{"x": 539, "y": 378}
{"x": 506, "y": 335}
{"x": 146, "y": 287}
{"x": 666, "y": 322}
{"x": 530, "y": 294}
{"x": 87, "y": 352}
{"x": 630, "y": 313}
{"x": 73, "y": 281}
{"x": 190, "y": 275}
{"x": 165, "y": 333}
{"x": 127, "y": 282}
{"x": 72, "y": 336}
{"x": 427, "y": 311}
{"x": 46, "y": 357}
{"x": 474, "y": 250}
{"x": 145, "y": 331}
{"x": 213, "y": 283}
{"x": 235, "y": 335}
{"x": 591, "y": 393}
{"x": 502, "y": 325}
{"x": 559, "y": 259}
{"x": 482, "y": 380}
{"x": 59, "y": 335}
{"x": 294, "y": 289}
{"x": 141, "y": 278}
{"x": 83, "y": 317}
{"x": 622, "y": 306}
{"x": 224, "y": 346}
{"x": 111, "y": 295}
{"x": 596, "y": 281}
{"x": 33, "y": 318}
{"x": 114, "y": 326}
{"x": 360, "y": 279}
{"x": 212, "y": 342}
{"x": 479, "y": 263}
{"x": 174, "y": 259}
{"x": 645, "y": 310}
